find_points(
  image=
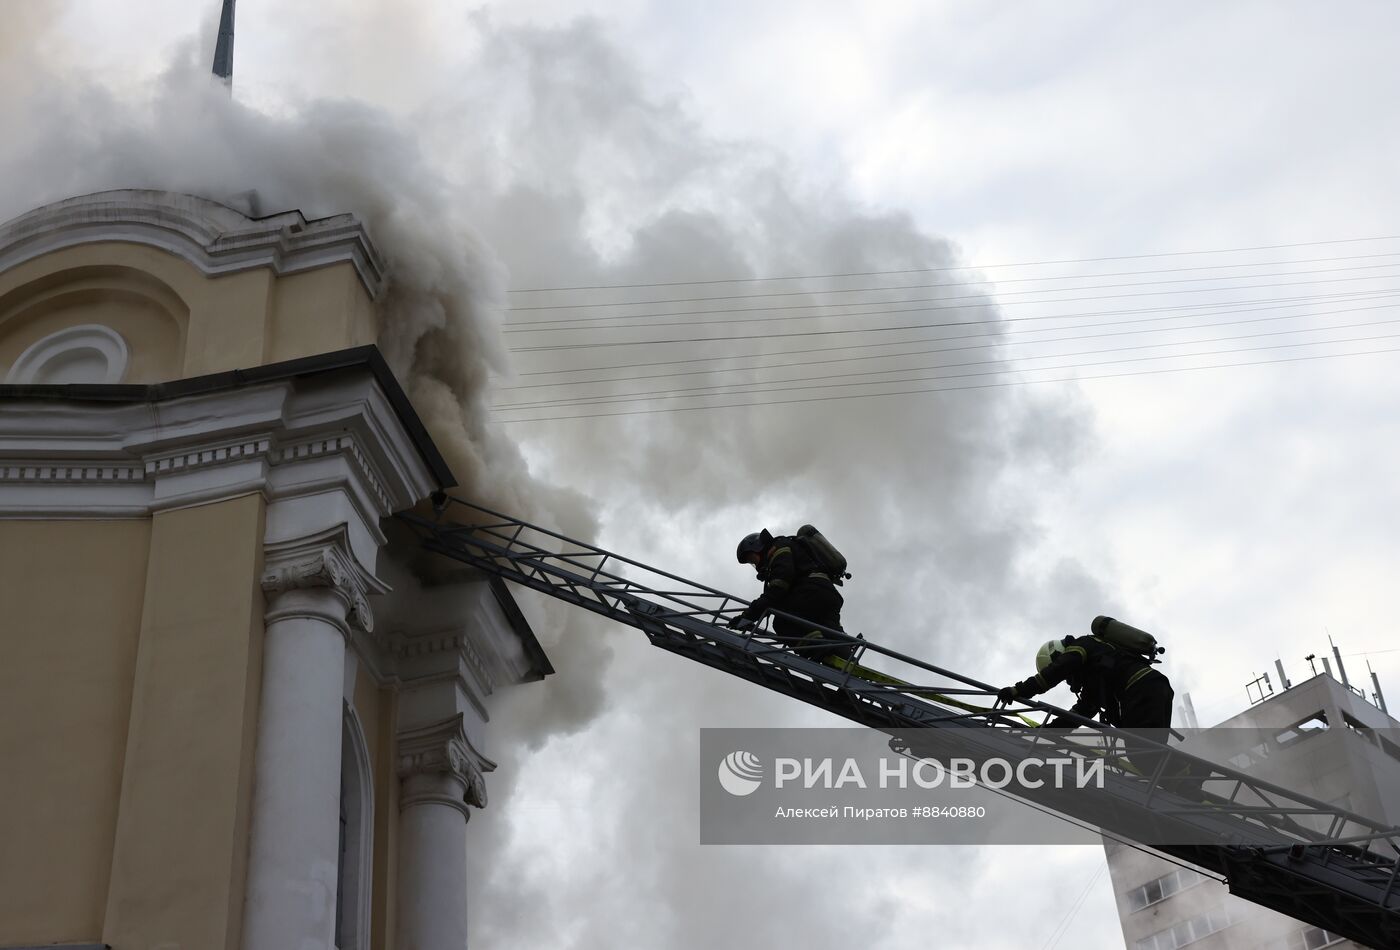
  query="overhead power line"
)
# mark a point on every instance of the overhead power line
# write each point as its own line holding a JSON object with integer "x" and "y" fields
{"x": 770, "y": 336}
{"x": 969, "y": 386}
{"x": 734, "y": 389}
{"x": 969, "y": 283}
{"x": 947, "y": 268}
{"x": 994, "y": 341}
{"x": 1269, "y": 304}
{"x": 1053, "y": 938}
{"x": 983, "y": 300}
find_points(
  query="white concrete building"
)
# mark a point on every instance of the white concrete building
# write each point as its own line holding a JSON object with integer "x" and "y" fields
{"x": 1318, "y": 738}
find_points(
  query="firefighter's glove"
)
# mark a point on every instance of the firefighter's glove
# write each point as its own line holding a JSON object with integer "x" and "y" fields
{"x": 741, "y": 623}
{"x": 1005, "y": 695}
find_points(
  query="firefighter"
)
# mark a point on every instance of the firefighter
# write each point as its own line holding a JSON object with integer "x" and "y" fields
{"x": 794, "y": 583}
{"x": 1116, "y": 685}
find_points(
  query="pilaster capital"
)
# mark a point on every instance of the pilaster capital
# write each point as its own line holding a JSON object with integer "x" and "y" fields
{"x": 440, "y": 751}
{"x": 321, "y": 560}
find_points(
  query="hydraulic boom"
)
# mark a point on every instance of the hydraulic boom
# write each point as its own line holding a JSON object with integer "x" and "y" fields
{"x": 1303, "y": 858}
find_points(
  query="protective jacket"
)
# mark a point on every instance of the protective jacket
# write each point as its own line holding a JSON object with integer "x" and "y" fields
{"x": 794, "y": 583}
{"x": 786, "y": 568}
{"x": 1119, "y": 687}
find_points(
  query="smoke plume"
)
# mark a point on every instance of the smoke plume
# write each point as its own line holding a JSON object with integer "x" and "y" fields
{"x": 548, "y": 158}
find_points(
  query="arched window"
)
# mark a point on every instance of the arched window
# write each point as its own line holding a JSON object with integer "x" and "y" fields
{"x": 355, "y": 863}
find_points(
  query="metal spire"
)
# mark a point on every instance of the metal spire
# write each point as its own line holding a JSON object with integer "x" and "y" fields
{"x": 223, "y": 51}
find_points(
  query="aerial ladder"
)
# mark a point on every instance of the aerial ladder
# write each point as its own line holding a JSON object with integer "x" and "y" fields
{"x": 1274, "y": 847}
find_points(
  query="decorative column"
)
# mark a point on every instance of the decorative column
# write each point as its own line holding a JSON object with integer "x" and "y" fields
{"x": 439, "y": 781}
{"x": 315, "y": 591}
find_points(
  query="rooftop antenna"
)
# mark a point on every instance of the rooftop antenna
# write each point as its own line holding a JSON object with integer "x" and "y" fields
{"x": 1254, "y": 690}
{"x": 1340, "y": 668}
{"x": 1189, "y": 710}
{"x": 223, "y": 50}
{"x": 1375, "y": 682}
{"x": 1282, "y": 678}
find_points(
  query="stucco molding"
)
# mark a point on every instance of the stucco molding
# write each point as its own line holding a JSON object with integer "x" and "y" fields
{"x": 74, "y": 473}
{"x": 36, "y": 361}
{"x": 339, "y": 444}
{"x": 206, "y": 456}
{"x": 445, "y": 642}
{"x": 437, "y": 750}
{"x": 213, "y": 237}
{"x": 321, "y": 560}
{"x": 324, "y": 435}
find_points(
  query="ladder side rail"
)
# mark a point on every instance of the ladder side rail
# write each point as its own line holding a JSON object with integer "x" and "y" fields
{"x": 518, "y": 551}
{"x": 613, "y": 611}
{"x": 842, "y": 684}
{"x": 554, "y": 534}
{"x": 435, "y": 527}
{"x": 535, "y": 557}
{"x": 547, "y": 578}
{"x": 814, "y": 694}
{"x": 540, "y": 581}
{"x": 1280, "y": 815}
{"x": 1279, "y": 812}
{"x": 1298, "y": 889}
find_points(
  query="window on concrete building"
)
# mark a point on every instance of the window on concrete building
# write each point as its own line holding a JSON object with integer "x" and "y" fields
{"x": 1372, "y": 736}
{"x": 1257, "y": 753}
{"x": 352, "y": 890}
{"x": 1311, "y": 938}
{"x": 1389, "y": 748}
{"x": 1188, "y": 931}
{"x": 1302, "y": 729}
{"x": 1159, "y": 889}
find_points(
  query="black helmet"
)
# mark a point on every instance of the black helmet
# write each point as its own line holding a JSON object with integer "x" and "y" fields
{"x": 754, "y": 544}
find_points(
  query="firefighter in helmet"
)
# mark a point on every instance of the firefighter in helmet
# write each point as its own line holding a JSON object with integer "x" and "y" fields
{"x": 1116, "y": 685}
{"x": 794, "y": 583}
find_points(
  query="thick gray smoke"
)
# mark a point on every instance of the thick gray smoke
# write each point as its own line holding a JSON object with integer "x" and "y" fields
{"x": 590, "y": 177}
{"x": 548, "y": 157}
{"x": 444, "y": 298}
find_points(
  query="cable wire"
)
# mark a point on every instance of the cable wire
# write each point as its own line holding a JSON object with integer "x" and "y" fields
{"x": 985, "y": 297}
{"x": 994, "y": 385}
{"x": 1287, "y": 301}
{"x": 970, "y": 283}
{"x": 996, "y": 340}
{"x": 727, "y": 389}
{"x": 731, "y": 389}
{"x": 1053, "y": 939}
{"x": 930, "y": 270}
{"x": 770, "y": 336}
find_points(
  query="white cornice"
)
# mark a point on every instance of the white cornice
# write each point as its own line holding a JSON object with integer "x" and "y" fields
{"x": 319, "y": 435}
{"x": 213, "y": 237}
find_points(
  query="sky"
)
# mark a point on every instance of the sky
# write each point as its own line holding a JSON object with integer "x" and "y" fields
{"x": 1241, "y": 513}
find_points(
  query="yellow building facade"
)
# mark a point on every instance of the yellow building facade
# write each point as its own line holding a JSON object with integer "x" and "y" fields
{"x": 234, "y": 717}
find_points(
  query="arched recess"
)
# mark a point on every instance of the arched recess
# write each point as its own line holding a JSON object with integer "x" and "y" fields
{"x": 356, "y": 861}
{"x": 143, "y": 311}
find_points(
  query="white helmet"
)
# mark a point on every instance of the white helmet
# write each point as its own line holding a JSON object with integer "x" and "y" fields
{"x": 1048, "y": 651}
